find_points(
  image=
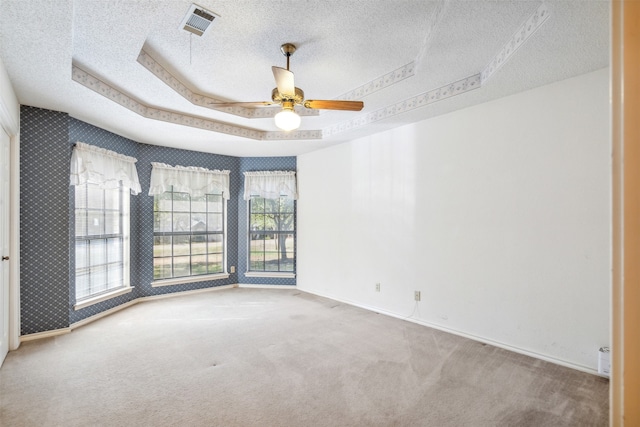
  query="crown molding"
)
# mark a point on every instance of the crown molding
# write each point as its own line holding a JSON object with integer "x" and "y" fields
{"x": 421, "y": 100}
{"x": 380, "y": 83}
{"x": 147, "y": 60}
{"x": 116, "y": 95}
{"x": 524, "y": 33}
{"x": 111, "y": 92}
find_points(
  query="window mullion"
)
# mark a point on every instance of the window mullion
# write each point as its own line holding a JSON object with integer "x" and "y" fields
{"x": 206, "y": 227}
{"x": 101, "y": 275}
{"x": 182, "y": 243}
{"x": 271, "y": 232}
{"x": 105, "y": 255}
{"x": 88, "y": 245}
{"x": 189, "y": 244}
{"x": 172, "y": 230}
{"x": 88, "y": 267}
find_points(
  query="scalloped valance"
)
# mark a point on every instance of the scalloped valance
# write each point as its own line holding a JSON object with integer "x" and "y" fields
{"x": 103, "y": 167}
{"x": 270, "y": 184}
{"x": 188, "y": 179}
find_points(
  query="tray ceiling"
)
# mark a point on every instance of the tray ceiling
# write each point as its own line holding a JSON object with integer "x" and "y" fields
{"x": 131, "y": 68}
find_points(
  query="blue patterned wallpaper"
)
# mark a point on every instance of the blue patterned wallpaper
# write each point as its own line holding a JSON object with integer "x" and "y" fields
{"x": 249, "y": 164}
{"x": 47, "y": 262}
{"x": 173, "y": 156}
{"x": 44, "y": 220}
{"x": 84, "y": 132}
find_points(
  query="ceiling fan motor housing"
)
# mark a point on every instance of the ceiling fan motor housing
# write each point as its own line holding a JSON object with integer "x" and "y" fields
{"x": 278, "y": 97}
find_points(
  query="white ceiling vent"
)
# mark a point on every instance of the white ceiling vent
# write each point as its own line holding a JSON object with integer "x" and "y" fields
{"x": 198, "y": 20}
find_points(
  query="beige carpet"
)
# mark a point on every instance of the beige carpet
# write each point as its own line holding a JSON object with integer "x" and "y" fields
{"x": 256, "y": 357}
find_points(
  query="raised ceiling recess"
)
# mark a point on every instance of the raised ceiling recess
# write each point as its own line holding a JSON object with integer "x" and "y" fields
{"x": 297, "y": 103}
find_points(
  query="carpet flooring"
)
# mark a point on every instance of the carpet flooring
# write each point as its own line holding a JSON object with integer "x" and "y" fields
{"x": 260, "y": 357}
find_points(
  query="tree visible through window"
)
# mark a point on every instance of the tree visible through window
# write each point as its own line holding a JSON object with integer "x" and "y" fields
{"x": 188, "y": 235}
{"x": 271, "y": 234}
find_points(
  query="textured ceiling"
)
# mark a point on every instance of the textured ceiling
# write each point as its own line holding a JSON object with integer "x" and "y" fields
{"x": 126, "y": 66}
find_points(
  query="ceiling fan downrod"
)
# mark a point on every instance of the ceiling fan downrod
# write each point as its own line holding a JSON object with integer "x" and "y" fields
{"x": 287, "y": 50}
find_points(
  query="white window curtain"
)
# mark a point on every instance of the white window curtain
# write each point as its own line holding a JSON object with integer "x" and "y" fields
{"x": 188, "y": 179}
{"x": 270, "y": 184}
{"x": 103, "y": 167}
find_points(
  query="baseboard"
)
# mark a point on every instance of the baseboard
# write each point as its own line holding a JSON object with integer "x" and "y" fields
{"x": 182, "y": 293}
{"x": 258, "y": 286}
{"x": 45, "y": 334}
{"x": 146, "y": 299}
{"x": 102, "y": 314}
{"x": 56, "y": 332}
{"x": 498, "y": 344}
{"x": 76, "y": 325}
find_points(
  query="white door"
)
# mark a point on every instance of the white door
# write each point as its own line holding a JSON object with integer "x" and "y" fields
{"x": 4, "y": 244}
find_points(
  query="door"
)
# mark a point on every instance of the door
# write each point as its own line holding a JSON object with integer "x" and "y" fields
{"x": 4, "y": 244}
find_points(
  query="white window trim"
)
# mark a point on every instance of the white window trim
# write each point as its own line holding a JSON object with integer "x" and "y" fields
{"x": 126, "y": 253}
{"x": 185, "y": 279}
{"x": 188, "y": 279}
{"x": 126, "y": 236}
{"x": 99, "y": 298}
{"x": 225, "y": 235}
{"x": 275, "y": 274}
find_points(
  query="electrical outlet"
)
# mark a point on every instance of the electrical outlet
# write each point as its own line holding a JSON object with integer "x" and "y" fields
{"x": 377, "y": 287}
{"x": 416, "y": 295}
{"x": 232, "y": 269}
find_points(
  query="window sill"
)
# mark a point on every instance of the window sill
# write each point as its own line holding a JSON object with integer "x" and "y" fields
{"x": 188, "y": 279}
{"x": 94, "y": 300}
{"x": 274, "y": 274}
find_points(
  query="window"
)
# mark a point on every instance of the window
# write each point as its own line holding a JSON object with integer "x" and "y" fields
{"x": 271, "y": 234}
{"x": 103, "y": 180}
{"x": 101, "y": 239}
{"x": 188, "y": 234}
{"x": 271, "y": 197}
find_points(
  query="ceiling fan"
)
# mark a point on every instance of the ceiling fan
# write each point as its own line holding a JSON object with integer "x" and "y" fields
{"x": 288, "y": 96}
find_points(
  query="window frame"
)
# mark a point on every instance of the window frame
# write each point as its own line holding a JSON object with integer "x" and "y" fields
{"x": 170, "y": 281}
{"x": 271, "y": 273}
{"x": 124, "y": 235}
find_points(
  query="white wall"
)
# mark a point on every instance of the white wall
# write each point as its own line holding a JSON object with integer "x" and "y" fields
{"x": 10, "y": 122}
{"x": 499, "y": 214}
{"x": 9, "y": 107}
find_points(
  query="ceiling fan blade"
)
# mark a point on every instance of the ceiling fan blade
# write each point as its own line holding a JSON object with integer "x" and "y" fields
{"x": 241, "y": 104}
{"x": 284, "y": 82}
{"x": 334, "y": 105}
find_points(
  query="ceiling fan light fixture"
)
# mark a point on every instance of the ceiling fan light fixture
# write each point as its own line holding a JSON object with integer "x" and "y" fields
{"x": 288, "y": 95}
{"x": 287, "y": 119}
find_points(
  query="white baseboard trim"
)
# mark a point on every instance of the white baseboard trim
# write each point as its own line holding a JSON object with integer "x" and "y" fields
{"x": 258, "y": 286}
{"x": 73, "y": 326}
{"x": 100, "y": 315}
{"x": 45, "y": 334}
{"x": 191, "y": 292}
{"x": 498, "y": 344}
{"x": 547, "y": 358}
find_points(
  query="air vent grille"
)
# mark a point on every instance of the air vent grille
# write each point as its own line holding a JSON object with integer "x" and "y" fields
{"x": 198, "y": 20}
